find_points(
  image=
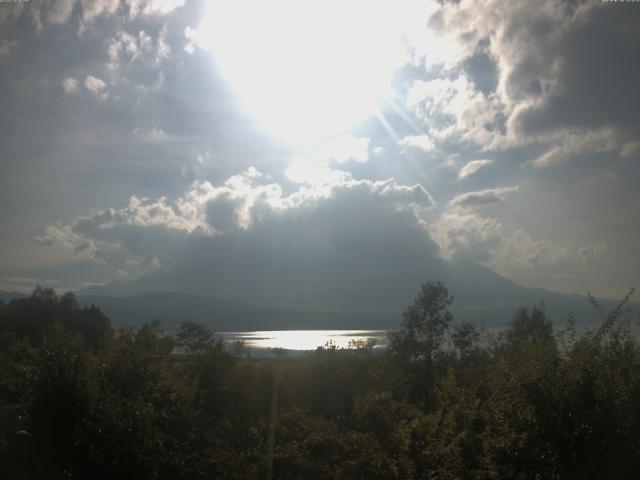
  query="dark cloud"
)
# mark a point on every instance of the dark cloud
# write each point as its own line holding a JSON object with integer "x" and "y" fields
{"x": 221, "y": 212}
{"x": 483, "y": 72}
{"x": 295, "y": 249}
{"x": 306, "y": 255}
{"x": 597, "y": 75}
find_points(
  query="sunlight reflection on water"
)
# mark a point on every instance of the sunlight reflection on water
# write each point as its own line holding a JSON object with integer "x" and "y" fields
{"x": 312, "y": 339}
{"x": 303, "y": 339}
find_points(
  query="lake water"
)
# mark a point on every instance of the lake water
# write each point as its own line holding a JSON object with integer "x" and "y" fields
{"x": 311, "y": 339}
{"x": 302, "y": 339}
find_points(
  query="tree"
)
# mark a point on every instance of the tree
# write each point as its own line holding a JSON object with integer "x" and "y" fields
{"x": 465, "y": 339}
{"x": 34, "y": 317}
{"x": 529, "y": 326}
{"x": 421, "y": 336}
{"x": 194, "y": 338}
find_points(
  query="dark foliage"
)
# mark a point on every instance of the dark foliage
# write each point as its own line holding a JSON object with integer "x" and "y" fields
{"x": 35, "y": 317}
{"x": 78, "y": 401}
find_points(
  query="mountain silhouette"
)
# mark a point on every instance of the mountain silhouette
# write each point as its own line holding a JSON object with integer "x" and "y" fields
{"x": 371, "y": 298}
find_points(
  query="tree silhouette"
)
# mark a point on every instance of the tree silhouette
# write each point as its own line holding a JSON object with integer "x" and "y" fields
{"x": 422, "y": 333}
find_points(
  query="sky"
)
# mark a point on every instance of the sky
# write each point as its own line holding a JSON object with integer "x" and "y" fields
{"x": 138, "y": 135}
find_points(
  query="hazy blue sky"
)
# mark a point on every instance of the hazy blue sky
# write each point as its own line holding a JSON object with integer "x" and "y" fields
{"x": 133, "y": 132}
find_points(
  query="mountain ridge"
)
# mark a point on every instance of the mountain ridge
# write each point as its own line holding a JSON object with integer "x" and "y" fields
{"x": 360, "y": 297}
{"x": 481, "y": 296}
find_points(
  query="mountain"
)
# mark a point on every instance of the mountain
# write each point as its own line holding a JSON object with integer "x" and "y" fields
{"x": 480, "y": 295}
{"x": 223, "y": 315}
{"x": 363, "y": 262}
{"x": 6, "y": 297}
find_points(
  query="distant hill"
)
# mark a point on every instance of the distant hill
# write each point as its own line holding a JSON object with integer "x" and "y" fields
{"x": 480, "y": 295}
{"x": 223, "y": 315}
{"x": 6, "y": 297}
{"x": 472, "y": 302}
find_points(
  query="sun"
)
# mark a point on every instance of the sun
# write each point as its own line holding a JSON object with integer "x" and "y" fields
{"x": 308, "y": 70}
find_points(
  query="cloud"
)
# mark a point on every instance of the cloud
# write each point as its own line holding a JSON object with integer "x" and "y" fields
{"x": 96, "y": 86}
{"x": 464, "y": 235}
{"x": 192, "y": 40}
{"x": 69, "y": 85}
{"x": 630, "y": 149}
{"x": 482, "y": 197}
{"x": 153, "y": 7}
{"x": 345, "y": 148}
{"x": 163, "y": 50}
{"x": 91, "y": 9}
{"x": 562, "y": 68}
{"x": 422, "y": 142}
{"x": 519, "y": 250}
{"x": 587, "y": 253}
{"x": 151, "y": 135}
{"x": 6, "y": 46}
{"x": 489, "y": 79}
{"x": 574, "y": 143}
{"x": 8, "y": 15}
{"x": 314, "y": 171}
{"x": 472, "y": 167}
{"x": 141, "y": 235}
{"x": 453, "y": 108}
{"x": 594, "y": 75}
{"x": 150, "y": 232}
{"x": 85, "y": 12}
{"x": 123, "y": 42}
{"x": 316, "y": 166}
{"x": 59, "y": 11}
{"x": 222, "y": 212}
{"x": 318, "y": 250}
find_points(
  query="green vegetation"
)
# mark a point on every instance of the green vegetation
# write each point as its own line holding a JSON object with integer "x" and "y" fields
{"x": 80, "y": 401}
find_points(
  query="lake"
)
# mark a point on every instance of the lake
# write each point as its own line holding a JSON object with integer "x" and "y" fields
{"x": 311, "y": 339}
{"x": 302, "y": 339}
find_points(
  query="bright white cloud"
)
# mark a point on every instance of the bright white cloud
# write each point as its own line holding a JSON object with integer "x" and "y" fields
{"x": 453, "y": 107}
{"x": 96, "y": 86}
{"x": 345, "y": 148}
{"x": 123, "y": 42}
{"x": 482, "y": 197}
{"x": 315, "y": 167}
{"x": 192, "y": 40}
{"x": 152, "y": 7}
{"x": 162, "y": 7}
{"x": 547, "y": 91}
{"x": 92, "y": 9}
{"x": 464, "y": 235}
{"x": 163, "y": 50}
{"x": 421, "y": 142}
{"x": 472, "y": 167}
{"x": 314, "y": 171}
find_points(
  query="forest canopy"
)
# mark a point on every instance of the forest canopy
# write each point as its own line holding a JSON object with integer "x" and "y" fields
{"x": 443, "y": 400}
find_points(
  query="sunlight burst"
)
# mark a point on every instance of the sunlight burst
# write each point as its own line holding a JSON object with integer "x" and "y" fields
{"x": 308, "y": 70}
